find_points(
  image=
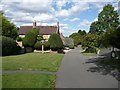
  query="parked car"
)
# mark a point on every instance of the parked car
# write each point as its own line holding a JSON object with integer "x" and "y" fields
{"x": 66, "y": 48}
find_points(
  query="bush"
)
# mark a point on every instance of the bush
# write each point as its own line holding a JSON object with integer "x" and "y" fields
{"x": 47, "y": 46}
{"x": 9, "y": 46}
{"x": 91, "y": 50}
{"x": 30, "y": 38}
{"x": 19, "y": 39}
{"x": 39, "y": 38}
{"x": 55, "y": 42}
{"x": 38, "y": 45}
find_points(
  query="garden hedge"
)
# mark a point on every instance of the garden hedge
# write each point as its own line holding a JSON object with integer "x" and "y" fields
{"x": 38, "y": 45}
{"x": 9, "y": 46}
{"x": 30, "y": 38}
{"x": 55, "y": 42}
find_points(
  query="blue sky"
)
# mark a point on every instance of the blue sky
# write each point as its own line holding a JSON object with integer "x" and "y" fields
{"x": 71, "y": 14}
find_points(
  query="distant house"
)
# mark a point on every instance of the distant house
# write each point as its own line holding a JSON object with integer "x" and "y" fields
{"x": 45, "y": 31}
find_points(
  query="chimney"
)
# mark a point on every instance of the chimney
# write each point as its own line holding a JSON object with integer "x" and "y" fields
{"x": 34, "y": 24}
{"x": 58, "y": 28}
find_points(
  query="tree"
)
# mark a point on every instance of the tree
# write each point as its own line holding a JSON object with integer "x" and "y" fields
{"x": 113, "y": 37}
{"x": 78, "y": 37}
{"x": 69, "y": 42}
{"x": 55, "y": 42}
{"x": 95, "y": 27}
{"x": 109, "y": 20}
{"x": 8, "y": 28}
{"x": 30, "y": 38}
{"x": 82, "y": 32}
{"x": 91, "y": 40}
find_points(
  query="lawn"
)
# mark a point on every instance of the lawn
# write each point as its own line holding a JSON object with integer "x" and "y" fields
{"x": 28, "y": 80}
{"x": 33, "y": 61}
{"x": 48, "y": 62}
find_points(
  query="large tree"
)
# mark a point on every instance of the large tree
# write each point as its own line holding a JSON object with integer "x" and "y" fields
{"x": 8, "y": 28}
{"x": 109, "y": 20}
{"x": 78, "y": 37}
{"x": 95, "y": 27}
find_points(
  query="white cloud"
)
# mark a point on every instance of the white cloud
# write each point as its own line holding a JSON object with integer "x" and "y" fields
{"x": 61, "y": 3}
{"x": 95, "y": 0}
{"x": 74, "y": 19}
{"x": 28, "y": 5}
{"x": 62, "y": 13}
{"x": 45, "y": 18}
{"x": 85, "y": 23}
{"x": 75, "y": 9}
{"x": 65, "y": 19}
{"x": 96, "y": 19}
{"x": 78, "y": 7}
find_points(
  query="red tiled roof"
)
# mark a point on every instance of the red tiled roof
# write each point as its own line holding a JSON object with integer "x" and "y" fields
{"x": 43, "y": 30}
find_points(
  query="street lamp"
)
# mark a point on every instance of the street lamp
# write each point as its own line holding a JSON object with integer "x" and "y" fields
{"x": 42, "y": 41}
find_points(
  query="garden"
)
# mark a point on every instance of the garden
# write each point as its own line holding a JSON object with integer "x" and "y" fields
{"x": 38, "y": 62}
{"x": 37, "y": 70}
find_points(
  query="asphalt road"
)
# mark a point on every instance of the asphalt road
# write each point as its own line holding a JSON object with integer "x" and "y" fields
{"x": 73, "y": 73}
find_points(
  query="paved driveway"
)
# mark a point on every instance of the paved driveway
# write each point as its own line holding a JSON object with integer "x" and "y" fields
{"x": 73, "y": 73}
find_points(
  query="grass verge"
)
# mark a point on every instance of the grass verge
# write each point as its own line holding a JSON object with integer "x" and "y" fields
{"x": 27, "y": 80}
{"x": 33, "y": 61}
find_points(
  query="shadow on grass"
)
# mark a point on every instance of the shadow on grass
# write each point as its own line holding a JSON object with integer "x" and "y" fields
{"x": 105, "y": 65}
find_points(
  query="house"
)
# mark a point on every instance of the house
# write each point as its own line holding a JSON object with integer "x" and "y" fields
{"x": 45, "y": 31}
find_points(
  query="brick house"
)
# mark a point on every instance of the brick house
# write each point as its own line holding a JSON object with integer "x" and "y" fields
{"x": 45, "y": 31}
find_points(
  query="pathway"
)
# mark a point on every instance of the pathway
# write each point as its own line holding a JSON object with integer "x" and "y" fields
{"x": 73, "y": 73}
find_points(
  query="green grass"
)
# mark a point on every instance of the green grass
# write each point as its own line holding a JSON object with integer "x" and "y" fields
{"x": 114, "y": 63}
{"x": 0, "y": 81}
{"x": 33, "y": 61}
{"x": 0, "y": 63}
{"x": 89, "y": 54}
{"x": 28, "y": 80}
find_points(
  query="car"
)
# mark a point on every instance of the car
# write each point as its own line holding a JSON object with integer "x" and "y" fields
{"x": 67, "y": 48}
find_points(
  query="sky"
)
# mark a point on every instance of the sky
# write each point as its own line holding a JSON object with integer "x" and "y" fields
{"x": 72, "y": 15}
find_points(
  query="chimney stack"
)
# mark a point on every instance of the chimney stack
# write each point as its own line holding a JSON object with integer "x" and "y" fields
{"x": 58, "y": 27}
{"x": 34, "y": 24}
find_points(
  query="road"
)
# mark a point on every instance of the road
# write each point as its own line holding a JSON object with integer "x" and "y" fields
{"x": 73, "y": 73}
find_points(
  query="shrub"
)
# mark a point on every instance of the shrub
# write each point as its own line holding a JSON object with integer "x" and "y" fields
{"x": 19, "y": 39}
{"x": 39, "y": 38}
{"x": 30, "y": 38}
{"x": 55, "y": 42}
{"x": 47, "y": 46}
{"x": 38, "y": 45}
{"x": 91, "y": 50}
{"x": 9, "y": 46}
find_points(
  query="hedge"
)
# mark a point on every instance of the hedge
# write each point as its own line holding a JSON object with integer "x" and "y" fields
{"x": 30, "y": 38}
{"x": 55, "y": 42}
{"x": 38, "y": 45}
{"x": 19, "y": 39}
{"x": 9, "y": 46}
{"x": 91, "y": 50}
{"x": 47, "y": 46}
